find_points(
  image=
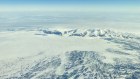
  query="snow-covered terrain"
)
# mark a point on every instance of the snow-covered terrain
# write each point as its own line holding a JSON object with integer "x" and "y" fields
{"x": 69, "y": 54}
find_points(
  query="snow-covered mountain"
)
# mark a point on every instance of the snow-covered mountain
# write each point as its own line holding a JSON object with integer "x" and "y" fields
{"x": 69, "y": 54}
{"x": 89, "y": 33}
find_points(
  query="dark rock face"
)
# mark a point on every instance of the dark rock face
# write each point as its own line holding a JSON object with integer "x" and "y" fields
{"x": 52, "y": 32}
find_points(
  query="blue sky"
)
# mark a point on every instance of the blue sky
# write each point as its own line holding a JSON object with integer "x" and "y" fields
{"x": 87, "y": 5}
{"x": 77, "y": 2}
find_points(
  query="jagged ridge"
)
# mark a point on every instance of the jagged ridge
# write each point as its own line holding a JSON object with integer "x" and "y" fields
{"x": 90, "y": 33}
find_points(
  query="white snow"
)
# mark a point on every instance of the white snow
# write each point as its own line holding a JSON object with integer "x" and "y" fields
{"x": 25, "y": 43}
{"x": 28, "y": 47}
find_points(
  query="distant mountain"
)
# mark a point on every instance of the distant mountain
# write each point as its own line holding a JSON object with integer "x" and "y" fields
{"x": 89, "y": 33}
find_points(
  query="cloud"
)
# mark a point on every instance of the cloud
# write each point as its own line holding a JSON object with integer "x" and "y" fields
{"x": 72, "y": 8}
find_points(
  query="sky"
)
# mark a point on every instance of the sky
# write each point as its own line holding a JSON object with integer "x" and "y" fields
{"x": 71, "y": 5}
{"x": 54, "y": 13}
